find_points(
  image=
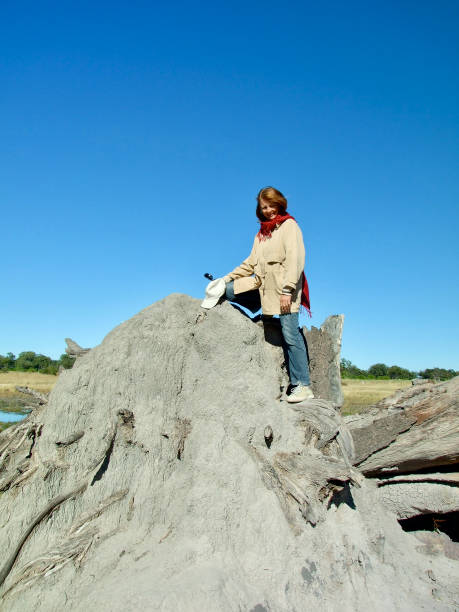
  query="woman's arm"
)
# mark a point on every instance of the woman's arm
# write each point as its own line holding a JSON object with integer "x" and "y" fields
{"x": 292, "y": 239}
{"x": 245, "y": 269}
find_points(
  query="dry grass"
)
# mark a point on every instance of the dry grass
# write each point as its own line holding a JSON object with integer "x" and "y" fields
{"x": 359, "y": 394}
{"x": 34, "y": 380}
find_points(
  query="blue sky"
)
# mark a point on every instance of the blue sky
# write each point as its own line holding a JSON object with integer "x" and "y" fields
{"x": 135, "y": 137}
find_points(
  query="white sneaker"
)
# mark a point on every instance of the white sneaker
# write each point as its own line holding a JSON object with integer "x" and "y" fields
{"x": 300, "y": 393}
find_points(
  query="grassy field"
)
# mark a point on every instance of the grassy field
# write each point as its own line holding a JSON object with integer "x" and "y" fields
{"x": 361, "y": 393}
{"x": 34, "y": 380}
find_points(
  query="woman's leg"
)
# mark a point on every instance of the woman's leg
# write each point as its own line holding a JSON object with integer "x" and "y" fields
{"x": 248, "y": 299}
{"x": 296, "y": 349}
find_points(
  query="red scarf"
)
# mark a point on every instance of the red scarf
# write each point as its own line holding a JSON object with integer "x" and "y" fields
{"x": 266, "y": 229}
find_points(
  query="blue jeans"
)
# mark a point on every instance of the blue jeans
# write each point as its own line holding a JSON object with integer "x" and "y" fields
{"x": 248, "y": 299}
{"x": 296, "y": 349}
{"x": 294, "y": 343}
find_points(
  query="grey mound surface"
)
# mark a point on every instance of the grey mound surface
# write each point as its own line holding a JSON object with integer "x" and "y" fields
{"x": 151, "y": 481}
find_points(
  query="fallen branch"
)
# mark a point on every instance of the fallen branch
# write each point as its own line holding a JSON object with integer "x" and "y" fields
{"x": 41, "y": 397}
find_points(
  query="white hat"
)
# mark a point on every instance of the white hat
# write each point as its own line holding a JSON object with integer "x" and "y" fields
{"x": 214, "y": 291}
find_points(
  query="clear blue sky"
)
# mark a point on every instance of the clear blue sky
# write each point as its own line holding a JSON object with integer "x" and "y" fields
{"x": 135, "y": 136}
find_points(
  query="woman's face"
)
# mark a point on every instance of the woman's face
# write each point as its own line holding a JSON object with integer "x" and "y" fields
{"x": 269, "y": 210}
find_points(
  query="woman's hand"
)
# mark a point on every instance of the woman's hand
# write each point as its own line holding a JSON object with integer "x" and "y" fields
{"x": 285, "y": 303}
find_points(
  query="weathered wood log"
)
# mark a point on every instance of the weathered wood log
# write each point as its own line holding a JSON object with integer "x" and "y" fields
{"x": 415, "y": 494}
{"x": 42, "y": 398}
{"x": 416, "y": 428}
{"x": 324, "y": 348}
{"x": 441, "y": 477}
{"x": 329, "y": 425}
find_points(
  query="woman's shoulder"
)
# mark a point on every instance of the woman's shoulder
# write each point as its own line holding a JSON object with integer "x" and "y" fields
{"x": 289, "y": 225}
{"x": 291, "y": 231}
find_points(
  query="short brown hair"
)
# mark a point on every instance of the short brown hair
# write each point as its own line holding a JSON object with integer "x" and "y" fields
{"x": 273, "y": 196}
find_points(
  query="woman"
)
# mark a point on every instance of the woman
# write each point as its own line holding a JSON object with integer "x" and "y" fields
{"x": 275, "y": 268}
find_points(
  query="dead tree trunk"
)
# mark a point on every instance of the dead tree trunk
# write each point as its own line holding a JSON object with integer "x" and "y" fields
{"x": 415, "y": 429}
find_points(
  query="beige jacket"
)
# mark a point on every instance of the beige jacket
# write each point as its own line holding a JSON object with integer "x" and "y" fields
{"x": 276, "y": 263}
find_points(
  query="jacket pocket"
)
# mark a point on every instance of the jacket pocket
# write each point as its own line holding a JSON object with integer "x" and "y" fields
{"x": 274, "y": 279}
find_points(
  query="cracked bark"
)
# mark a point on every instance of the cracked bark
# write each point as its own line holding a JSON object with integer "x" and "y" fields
{"x": 416, "y": 429}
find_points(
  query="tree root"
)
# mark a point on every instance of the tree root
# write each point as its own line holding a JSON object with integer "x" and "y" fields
{"x": 71, "y": 439}
{"x": 53, "y": 504}
{"x": 15, "y": 434}
{"x": 17, "y": 478}
{"x": 75, "y": 546}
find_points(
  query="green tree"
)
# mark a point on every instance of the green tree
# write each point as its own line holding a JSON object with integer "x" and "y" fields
{"x": 65, "y": 361}
{"x": 345, "y": 364}
{"x": 378, "y": 369}
{"x": 438, "y": 373}
{"x": 7, "y": 362}
{"x": 349, "y": 370}
{"x": 42, "y": 362}
{"x": 28, "y": 361}
{"x": 396, "y": 371}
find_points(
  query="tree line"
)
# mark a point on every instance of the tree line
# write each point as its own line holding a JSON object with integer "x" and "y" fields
{"x": 384, "y": 372}
{"x": 28, "y": 361}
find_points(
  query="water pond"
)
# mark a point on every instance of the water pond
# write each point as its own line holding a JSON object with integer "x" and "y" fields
{"x": 11, "y": 417}
{"x": 12, "y": 410}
